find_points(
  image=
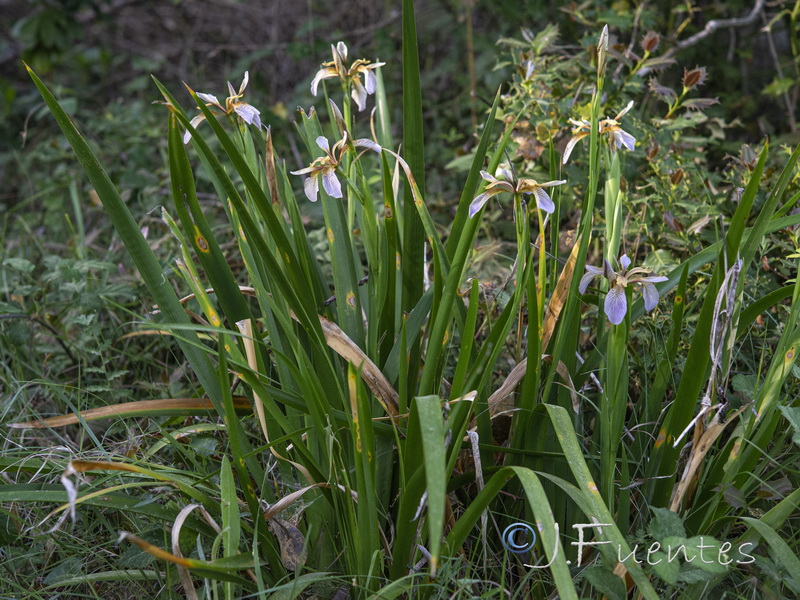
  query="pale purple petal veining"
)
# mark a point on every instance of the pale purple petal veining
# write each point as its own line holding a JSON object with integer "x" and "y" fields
{"x": 331, "y": 184}
{"x": 477, "y": 204}
{"x": 311, "y": 188}
{"x": 650, "y": 295}
{"x": 544, "y": 201}
{"x": 616, "y": 304}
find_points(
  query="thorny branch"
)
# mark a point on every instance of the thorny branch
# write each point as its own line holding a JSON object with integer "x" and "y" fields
{"x": 715, "y": 25}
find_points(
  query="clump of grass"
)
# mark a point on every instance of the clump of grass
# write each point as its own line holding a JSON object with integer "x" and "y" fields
{"x": 372, "y": 464}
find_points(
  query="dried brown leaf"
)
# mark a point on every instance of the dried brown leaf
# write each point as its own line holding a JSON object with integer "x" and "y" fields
{"x": 340, "y": 343}
{"x": 155, "y": 550}
{"x": 183, "y": 572}
{"x": 190, "y": 406}
{"x": 559, "y": 296}
{"x": 699, "y": 450}
{"x": 292, "y": 543}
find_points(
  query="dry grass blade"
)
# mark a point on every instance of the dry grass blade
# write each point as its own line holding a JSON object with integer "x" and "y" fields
{"x": 72, "y": 499}
{"x": 176, "y": 547}
{"x": 133, "y": 334}
{"x": 507, "y": 387}
{"x": 551, "y": 314}
{"x": 246, "y": 329}
{"x": 186, "y": 578}
{"x": 221, "y": 569}
{"x": 165, "y": 406}
{"x": 161, "y": 474}
{"x": 476, "y": 459}
{"x": 275, "y": 509}
{"x": 82, "y": 466}
{"x": 155, "y": 550}
{"x": 289, "y": 499}
{"x": 295, "y": 464}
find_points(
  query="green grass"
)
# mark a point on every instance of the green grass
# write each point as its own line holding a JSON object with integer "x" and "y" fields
{"x": 372, "y": 420}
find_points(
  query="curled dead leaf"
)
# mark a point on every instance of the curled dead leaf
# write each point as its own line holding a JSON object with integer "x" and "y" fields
{"x": 292, "y": 543}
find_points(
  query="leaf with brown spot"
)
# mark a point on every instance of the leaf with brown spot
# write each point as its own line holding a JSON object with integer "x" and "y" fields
{"x": 694, "y": 78}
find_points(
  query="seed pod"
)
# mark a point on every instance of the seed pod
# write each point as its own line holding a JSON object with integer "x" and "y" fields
{"x": 650, "y": 41}
{"x": 602, "y": 52}
{"x": 694, "y": 78}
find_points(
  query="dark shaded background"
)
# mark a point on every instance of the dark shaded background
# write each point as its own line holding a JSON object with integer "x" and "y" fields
{"x": 98, "y": 54}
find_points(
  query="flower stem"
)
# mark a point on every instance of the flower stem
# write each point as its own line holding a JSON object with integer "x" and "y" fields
{"x": 541, "y": 282}
{"x": 677, "y": 104}
{"x": 613, "y": 405}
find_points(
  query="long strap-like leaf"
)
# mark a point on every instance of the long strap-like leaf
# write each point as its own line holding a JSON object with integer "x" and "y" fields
{"x": 149, "y": 267}
{"x": 413, "y": 148}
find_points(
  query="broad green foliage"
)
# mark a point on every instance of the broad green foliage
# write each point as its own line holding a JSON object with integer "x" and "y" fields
{"x": 611, "y": 390}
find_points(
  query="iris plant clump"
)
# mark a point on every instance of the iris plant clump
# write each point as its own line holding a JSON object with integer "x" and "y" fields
{"x": 370, "y": 465}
